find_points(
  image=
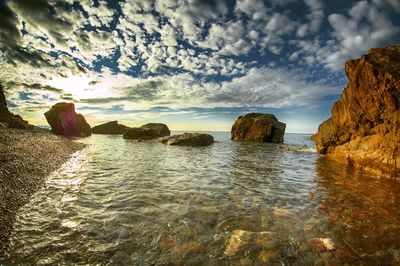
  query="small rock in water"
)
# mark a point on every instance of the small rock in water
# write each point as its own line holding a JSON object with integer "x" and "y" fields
{"x": 189, "y": 139}
{"x": 322, "y": 244}
{"x": 240, "y": 239}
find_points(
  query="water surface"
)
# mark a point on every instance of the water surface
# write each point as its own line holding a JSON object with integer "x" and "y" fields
{"x": 122, "y": 202}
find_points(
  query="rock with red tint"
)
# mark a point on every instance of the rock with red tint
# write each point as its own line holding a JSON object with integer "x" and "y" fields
{"x": 258, "y": 127}
{"x": 364, "y": 130}
{"x": 65, "y": 121}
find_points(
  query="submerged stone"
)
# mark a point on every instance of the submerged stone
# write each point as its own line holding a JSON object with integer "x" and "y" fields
{"x": 241, "y": 240}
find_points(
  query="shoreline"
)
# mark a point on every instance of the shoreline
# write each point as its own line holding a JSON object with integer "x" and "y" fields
{"x": 26, "y": 159}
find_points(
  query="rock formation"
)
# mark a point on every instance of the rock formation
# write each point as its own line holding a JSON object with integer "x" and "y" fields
{"x": 189, "y": 139}
{"x": 65, "y": 121}
{"x": 138, "y": 133}
{"x": 258, "y": 127}
{"x": 364, "y": 130}
{"x": 7, "y": 118}
{"x": 160, "y": 128}
{"x": 110, "y": 128}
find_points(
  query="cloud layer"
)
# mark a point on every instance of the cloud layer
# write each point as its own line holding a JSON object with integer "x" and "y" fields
{"x": 183, "y": 54}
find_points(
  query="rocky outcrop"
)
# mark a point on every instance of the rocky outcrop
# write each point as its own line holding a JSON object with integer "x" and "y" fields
{"x": 364, "y": 130}
{"x": 7, "y": 118}
{"x": 138, "y": 133}
{"x": 189, "y": 139}
{"x": 63, "y": 120}
{"x": 110, "y": 128}
{"x": 160, "y": 128}
{"x": 258, "y": 127}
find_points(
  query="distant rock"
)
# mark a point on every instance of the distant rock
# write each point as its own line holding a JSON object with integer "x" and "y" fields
{"x": 258, "y": 127}
{"x": 364, "y": 130}
{"x": 65, "y": 121}
{"x": 160, "y": 128}
{"x": 110, "y": 128}
{"x": 8, "y": 119}
{"x": 138, "y": 133}
{"x": 189, "y": 139}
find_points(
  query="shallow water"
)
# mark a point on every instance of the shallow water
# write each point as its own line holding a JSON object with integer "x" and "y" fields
{"x": 122, "y": 202}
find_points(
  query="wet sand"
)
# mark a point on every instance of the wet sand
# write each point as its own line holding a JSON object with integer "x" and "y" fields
{"x": 26, "y": 159}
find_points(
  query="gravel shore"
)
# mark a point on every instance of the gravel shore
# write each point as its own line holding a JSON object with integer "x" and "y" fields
{"x": 26, "y": 159}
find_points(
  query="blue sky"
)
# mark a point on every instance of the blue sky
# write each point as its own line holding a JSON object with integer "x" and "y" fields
{"x": 192, "y": 64}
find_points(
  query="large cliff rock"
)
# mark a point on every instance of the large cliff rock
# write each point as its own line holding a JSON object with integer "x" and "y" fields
{"x": 65, "y": 121}
{"x": 110, "y": 128}
{"x": 258, "y": 127}
{"x": 364, "y": 129}
{"x": 7, "y": 118}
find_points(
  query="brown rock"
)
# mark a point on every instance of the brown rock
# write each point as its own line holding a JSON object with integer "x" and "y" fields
{"x": 258, "y": 127}
{"x": 110, "y": 128}
{"x": 364, "y": 130}
{"x": 160, "y": 128}
{"x": 7, "y": 118}
{"x": 189, "y": 139}
{"x": 65, "y": 121}
{"x": 138, "y": 133}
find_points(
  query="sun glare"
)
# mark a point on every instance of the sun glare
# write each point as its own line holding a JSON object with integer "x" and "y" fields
{"x": 81, "y": 87}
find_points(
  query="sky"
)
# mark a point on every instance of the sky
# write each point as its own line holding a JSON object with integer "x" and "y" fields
{"x": 192, "y": 64}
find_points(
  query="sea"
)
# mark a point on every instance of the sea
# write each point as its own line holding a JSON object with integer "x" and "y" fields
{"x": 124, "y": 202}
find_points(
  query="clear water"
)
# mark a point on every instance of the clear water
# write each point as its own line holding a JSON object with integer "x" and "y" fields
{"x": 122, "y": 202}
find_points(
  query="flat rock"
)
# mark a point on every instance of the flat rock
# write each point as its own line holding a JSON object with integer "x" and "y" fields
{"x": 258, "y": 127}
{"x": 63, "y": 120}
{"x": 189, "y": 139}
{"x": 364, "y": 130}
{"x": 110, "y": 128}
{"x": 162, "y": 129}
{"x": 138, "y": 133}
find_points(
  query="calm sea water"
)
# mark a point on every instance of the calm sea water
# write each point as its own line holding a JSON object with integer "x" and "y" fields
{"x": 122, "y": 202}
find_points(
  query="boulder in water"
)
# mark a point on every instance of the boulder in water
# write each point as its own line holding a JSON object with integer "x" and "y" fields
{"x": 364, "y": 130}
{"x": 258, "y": 127}
{"x": 189, "y": 139}
{"x": 65, "y": 121}
{"x": 110, "y": 128}
{"x": 138, "y": 133}
{"x": 160, "y": 128}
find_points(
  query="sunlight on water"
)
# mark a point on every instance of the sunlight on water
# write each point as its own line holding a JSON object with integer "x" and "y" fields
{"x": 121, "y": 202}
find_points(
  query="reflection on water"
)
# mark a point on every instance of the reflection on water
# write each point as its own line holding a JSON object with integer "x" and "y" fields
{"x": 121, "y": 202}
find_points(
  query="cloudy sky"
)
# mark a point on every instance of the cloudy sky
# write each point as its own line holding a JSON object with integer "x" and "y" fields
{"x": 193, "y": 64}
